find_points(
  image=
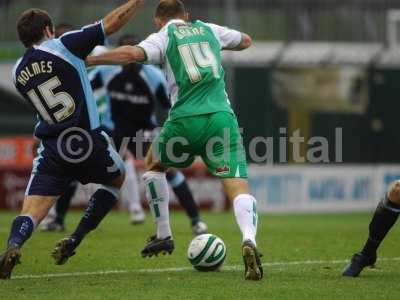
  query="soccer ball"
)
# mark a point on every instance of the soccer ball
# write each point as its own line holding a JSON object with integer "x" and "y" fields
{"x": 206, "y": 252}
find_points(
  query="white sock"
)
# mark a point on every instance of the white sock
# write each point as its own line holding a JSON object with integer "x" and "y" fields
{"x": 157, "y": 194}
{"x": 130, "y": 189}
{"x": 245, "y": 207}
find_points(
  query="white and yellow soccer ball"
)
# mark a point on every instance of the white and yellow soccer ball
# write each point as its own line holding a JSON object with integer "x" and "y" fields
{"x": 206, "y": 252}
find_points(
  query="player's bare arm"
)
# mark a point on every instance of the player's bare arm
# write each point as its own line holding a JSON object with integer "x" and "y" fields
{"x": 130, "y": 54}
{"x": 115, "y": 20}
{"x": 119, "y": 56}
{"x": 245, "y": 43}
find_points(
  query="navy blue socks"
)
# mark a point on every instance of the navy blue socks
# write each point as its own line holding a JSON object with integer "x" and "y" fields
{"x": 100, "y": 204}
{"x": 385, "y": 217}
{"x": 21, "y": 230}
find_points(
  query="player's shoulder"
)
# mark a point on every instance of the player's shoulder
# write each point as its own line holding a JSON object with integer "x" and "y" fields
{"x": 52, "y": 43}
{"x": 201, "y": 22}
{"x": 162, "y": 34}
{"x": 207, "y": 24}
{"x": 107, "y": 73}
{"x": 154, "y": 77}
{"x": 216, "y": 28}
{"x": 155, "y": 42}
{"x": 154, "y": 74}
{"x": 54, "y": 46}
{"x": 31, "y": 55}
{"x": 57, "y": 48}
{"x": 18, "y": 62}
{"x": 104, "y": 69}
{"x": 17, "y": 66}
{"x": 151, "y": 69}
{"x": 97, "y": 27}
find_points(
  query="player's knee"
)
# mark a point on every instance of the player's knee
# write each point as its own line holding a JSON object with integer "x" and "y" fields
{"x": 234, "y": 187}
{"x": 153, "y": 175}
{"x": 114, "y": 191}
{"x": 37, "y": 214}
{"x": 394, "y": 192}
{"x": 147, "y": 176}
{"x": 37, "y": 207}
{"x": 151, "y": 165}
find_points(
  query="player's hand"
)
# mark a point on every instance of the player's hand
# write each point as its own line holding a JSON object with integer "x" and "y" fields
{"x": 120, "y": 16}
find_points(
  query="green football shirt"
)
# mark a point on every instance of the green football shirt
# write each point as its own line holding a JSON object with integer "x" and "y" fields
{"x": 190, "y": 54}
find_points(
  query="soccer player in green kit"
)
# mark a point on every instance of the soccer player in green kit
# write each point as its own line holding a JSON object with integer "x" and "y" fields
{"x": 201, "y": 121}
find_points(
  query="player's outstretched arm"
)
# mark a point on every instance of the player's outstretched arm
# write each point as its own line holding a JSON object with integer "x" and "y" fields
{"x": 118, "y": 56}
{"x": 245, "y": 43}
{"x": 231, "y": 39}
{"x": 116, "y": 19}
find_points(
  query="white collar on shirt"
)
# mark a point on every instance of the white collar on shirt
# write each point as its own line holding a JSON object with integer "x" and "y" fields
{"x": 173, "y": 21}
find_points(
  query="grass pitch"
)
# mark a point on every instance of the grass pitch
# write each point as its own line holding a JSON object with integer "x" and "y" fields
{"x": 304, "y": 256}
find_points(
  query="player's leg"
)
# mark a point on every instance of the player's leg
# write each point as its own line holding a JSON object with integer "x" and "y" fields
{"x": 385, "y": 216}
{"x": 182, "y": 191}
{"x": 225, "y": 157}
{"x": 157, "y": 195}
{"x": 158, "y": 159}
{"x": 100, "y": 204}
{"x": 46, "y": 183}
{"x": 64, "y": 202}
{"x": 35, "y": 209}
{"x": 245, "y": 209}
{"x": 244, "y": 206}
{"x": 130, "y": 190}
{"x": 130, "y": 193}
{"x": 105, "y": 167}
{"x": 56, "y": 222}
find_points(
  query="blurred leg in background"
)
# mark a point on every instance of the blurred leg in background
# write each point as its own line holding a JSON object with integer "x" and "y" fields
{"x": 55, "y": 221}
{"x": 385, "y": 216}
{"x": 181, "y": 188}
{"x": 130, "y": 194}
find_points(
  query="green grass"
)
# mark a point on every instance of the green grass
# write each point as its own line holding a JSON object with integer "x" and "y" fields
{"x": 7, "y": 54}
{"x": 282, "y": 238}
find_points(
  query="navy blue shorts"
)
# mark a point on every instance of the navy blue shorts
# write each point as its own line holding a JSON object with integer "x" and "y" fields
{"x": 77, "y": 156}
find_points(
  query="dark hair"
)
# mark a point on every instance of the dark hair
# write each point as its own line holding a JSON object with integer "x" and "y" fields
{"x": 30, "y": 26}
{"x": 63, "y": 28}
{"x": 169, "y": 9}
{"x": 129, "y": 39}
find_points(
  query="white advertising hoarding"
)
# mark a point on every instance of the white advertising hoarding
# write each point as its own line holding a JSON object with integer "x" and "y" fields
{"x": 320, "y": 188}
{"x": 297, "y": 188}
